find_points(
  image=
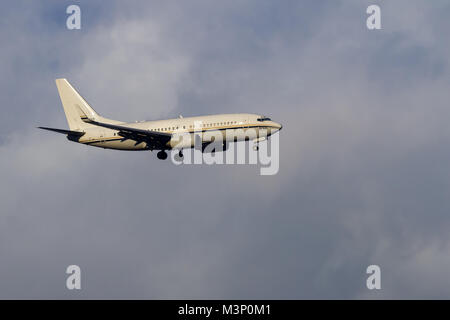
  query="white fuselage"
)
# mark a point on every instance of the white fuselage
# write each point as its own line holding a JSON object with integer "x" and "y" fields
{"x": 232, "y": 127}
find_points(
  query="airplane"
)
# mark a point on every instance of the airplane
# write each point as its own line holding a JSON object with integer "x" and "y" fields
{"x": 87, "y": 127}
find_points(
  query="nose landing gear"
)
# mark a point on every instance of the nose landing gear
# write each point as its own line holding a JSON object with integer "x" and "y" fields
{"x": 257, "y": 141}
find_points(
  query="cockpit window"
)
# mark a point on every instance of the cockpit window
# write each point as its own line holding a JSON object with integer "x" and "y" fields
{"x": 262, "y": 118}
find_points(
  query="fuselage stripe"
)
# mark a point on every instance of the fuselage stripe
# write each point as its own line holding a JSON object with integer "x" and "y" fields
{"x": 108, "y": 139}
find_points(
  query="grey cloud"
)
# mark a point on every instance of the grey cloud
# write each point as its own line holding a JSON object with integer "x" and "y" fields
{"x": 363, "y": 176}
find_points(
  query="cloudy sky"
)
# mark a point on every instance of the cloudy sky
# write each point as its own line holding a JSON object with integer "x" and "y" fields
{"x": 364, "y": 151}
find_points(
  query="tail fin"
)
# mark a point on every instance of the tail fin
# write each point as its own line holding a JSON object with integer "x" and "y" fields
{"x": 75, "y": 107}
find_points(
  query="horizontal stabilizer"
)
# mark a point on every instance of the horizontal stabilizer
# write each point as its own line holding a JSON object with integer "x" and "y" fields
{"x": 68, "y": 132}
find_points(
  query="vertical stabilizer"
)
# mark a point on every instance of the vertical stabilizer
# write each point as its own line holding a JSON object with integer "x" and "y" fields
{"x": 75, "y": 107}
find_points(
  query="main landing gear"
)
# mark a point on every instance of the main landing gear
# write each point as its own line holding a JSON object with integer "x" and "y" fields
{"x": 162, "y": 155}
{"x": 179, "y": 156}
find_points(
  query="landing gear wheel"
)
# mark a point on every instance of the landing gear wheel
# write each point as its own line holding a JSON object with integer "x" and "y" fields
{"x": 256, "y": 147}
{"x": 179, "y": 156}
{"x": 162, "y": 155}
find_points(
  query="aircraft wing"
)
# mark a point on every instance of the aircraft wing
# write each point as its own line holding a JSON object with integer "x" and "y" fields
{"x": 152, "y": 138}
